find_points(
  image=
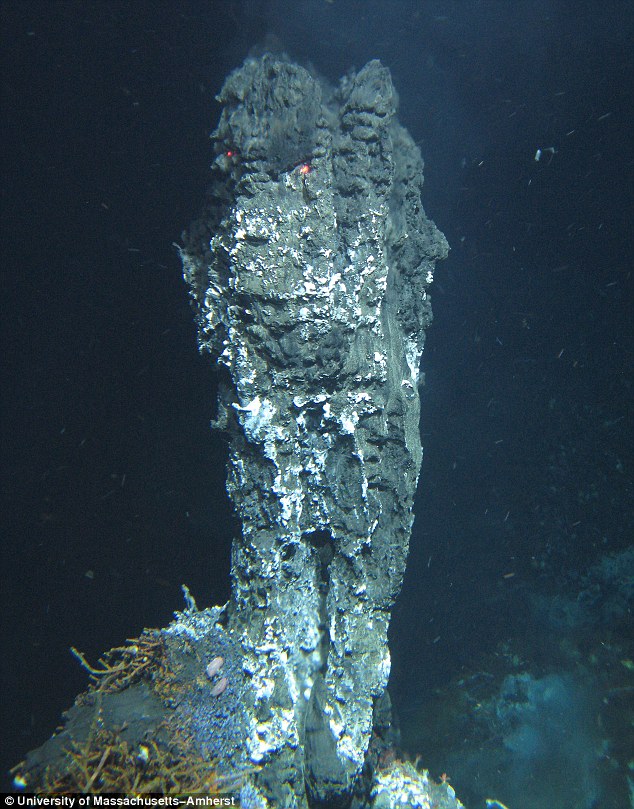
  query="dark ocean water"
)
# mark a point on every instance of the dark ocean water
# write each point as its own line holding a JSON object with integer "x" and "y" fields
{"x": 512, "y": 639}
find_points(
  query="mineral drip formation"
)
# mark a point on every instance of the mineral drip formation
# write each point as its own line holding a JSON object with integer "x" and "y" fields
{"x": 308, "y": 272}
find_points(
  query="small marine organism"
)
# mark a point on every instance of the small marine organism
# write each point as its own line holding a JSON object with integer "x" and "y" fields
{"x": 214, "y": 667}
{"x": 219, "y": 687}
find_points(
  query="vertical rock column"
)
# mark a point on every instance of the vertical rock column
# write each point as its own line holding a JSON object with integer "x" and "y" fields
{"x": 308, "y": 271}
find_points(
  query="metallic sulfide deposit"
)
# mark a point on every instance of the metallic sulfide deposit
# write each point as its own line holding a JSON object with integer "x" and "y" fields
{"x": 308, "y": 272}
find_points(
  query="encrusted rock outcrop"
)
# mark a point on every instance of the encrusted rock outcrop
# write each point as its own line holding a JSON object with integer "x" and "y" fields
{"x": 308, "y": 272}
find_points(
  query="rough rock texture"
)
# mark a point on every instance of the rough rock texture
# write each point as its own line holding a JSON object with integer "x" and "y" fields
{"x": 402, "y": 786}
{"x": 308, "y": 272}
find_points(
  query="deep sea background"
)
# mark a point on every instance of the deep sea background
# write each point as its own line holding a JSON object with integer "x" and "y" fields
{"x": 112, "y": 481}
